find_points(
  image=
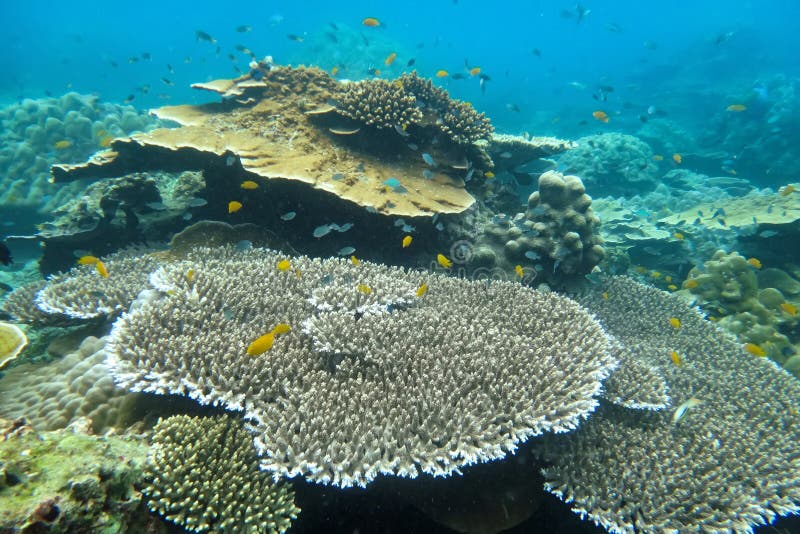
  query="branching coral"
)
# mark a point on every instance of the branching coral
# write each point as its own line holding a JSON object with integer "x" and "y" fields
{"x": 379, "y": 103}
{"x": 372, "y": 378}
{"x": 724, "y": 459}
{"x": 204, "y": 476}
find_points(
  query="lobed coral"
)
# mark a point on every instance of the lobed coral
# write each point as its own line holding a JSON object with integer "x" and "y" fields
{"x": 203, "y": 474}
{"x": 726, "y": 463}
{"x": 38, "y": 133}
{"x": 612, "y": 164}
{"x": 557, "y": 233}
{"x": 376, "y": 375}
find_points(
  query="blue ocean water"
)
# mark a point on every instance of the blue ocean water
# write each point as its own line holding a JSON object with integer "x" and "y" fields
{"x": 683, "y": 57}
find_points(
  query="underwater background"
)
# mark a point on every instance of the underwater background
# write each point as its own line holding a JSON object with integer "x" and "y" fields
{"x": 604, "y": 196}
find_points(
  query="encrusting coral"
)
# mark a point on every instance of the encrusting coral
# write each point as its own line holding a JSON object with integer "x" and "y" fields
{"x": 203, "y": 474}
{"x": 723, "y": 458}
{"x": 375, "y": 372}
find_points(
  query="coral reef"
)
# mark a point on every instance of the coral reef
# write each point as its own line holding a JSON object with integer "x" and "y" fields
{"x": 69, "y": 481}
{"x": 635, "y": 384}
{"x": 377, "y": 373}
{"x": 279, "y": 134}
{"x": 729, "y": 290}
{"x": 39, "y": 133}
{"x": 203, "y": 474}
{"x": 557, "y": 234}
{"x": 612, "y": 164}
{"x": 12, "y": 341}
{"x": 53, "y": 395}
{"x": 379, "y": 103}
{"x": 724, "y": 459}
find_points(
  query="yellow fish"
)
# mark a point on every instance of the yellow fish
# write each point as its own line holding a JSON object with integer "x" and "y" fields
{"x": 787, "y": 190}
{"x": 101, "y": 268}
{"x": 679, "y": 236}
{"x": 281, "y": 328}
{"x": 390, "y": 59}
{"x": 601, "y": 115}
{"x": 519, "y": 271}
{"x": 421, "y": 290}
{"x": 443, "y": 261}
{"x": 676, "y": 358}
{"x": 441, "y": 73}
{"x": 364, "y": 288}
{"x": 672, "y": 287}
{"x": 489, "y": 174}
{"x": 755, "y": 350}
{"x": 190, "y": 275}
{"x": 674, "y": 322}
{"x": 677, "y": 158}
{"x": 355, "y": 261}
{"x": 407, "y": 241}
{"x": 283, "y": 265}
{"x": 668, "y": 279}
{"x": 604, "y": 294}
{"x": 334, "y": 71}
{"x": 691, "y": 283}
{"x": 658, "y": 157}
{"x": 789, "y": 308}
{"x": 62, "y": 145}
{"x": 655, "y": 274}
{"x": 249, "y": 184}
{"x": 88, "y": 260}
{"x": 261, "y": 345}
{"x": 474, "y": 71}
{"x": 736, "y": 107}
{"x": 234, "y": 206}
{"x": 755, "y": 262}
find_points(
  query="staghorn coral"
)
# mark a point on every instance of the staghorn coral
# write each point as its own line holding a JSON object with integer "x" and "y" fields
{"x": 378, "y": 103}
{"x": 368, "y": 381}
{"x": 612, "y": 164}
{"x": 729, "y": 464}
{"x": 203, "y": 474}
{"x": 53, "y": 395}
{"x": 557, "y": 234}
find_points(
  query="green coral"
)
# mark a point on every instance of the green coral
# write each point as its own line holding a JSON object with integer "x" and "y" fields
{"x": 204, "y": 475}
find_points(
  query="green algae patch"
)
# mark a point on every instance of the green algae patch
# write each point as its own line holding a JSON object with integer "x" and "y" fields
{"x": 67, "y": 481}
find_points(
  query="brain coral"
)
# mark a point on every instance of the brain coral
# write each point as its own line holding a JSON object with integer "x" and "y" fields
{"x": 204, "y": 476}
{"x": 371, "y": 378}
{"x": 729, "y": 463}
{"x": 612, "y": 164}
{"x": 37, "y": 133}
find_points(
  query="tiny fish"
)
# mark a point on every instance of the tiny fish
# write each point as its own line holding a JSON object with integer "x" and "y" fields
{"x": 787, "y": 190}
{"x": 390, "y": 59}
{"x": 679, "y": 236}
{"x": 411, "y": 62}
{"x": 422, "y": 289}
{"x": 243, "y": 29}
{"x": 295, "y": 38}
{"x": 768, "y": 233}
{"x": 531, "y": 255}
{"x": 674, "y": 322}
{"x": 681, "y": 410}
{"x": 401, "y": 130}
{"x": 519, "y": 271}
{"x": 604, "y": 294}
{"x": 321, "y": 230}
{"x": 407, "y": 241}
{"x": 363, "y": 288}
{"x": 691, "y": 283}
{"x": 658, "y": 157}
{"x": 244, "y": 245}
{"x": 672, "y": 287}
{"x": 439, "y": 226}
{"x": 755, "y": 350}
{"x": 676, "y": 358}
{"x": 249, "y": 184}
{"x": 399, "y": 222}
{"x": 736, "y": 107}
{"x": 101, "y": 268}
{"x": 62, "y": 145}
{"x": 261, "y": 345}
{"x": 677, "y": 158}
{"x": 203, "y": 36}
{"x": 407, "y": 228}
{"x": 601, "y": 115}
{"x": 283, "y": 265}
{"x": 754, "y": 262}
{"x": 337, "y": 176}
{"x": 428, "y": 174}
{"x": 789, "y": 308}
{"x": 281, "y": 328}
{"x": 342, "y": 228}
{"x": 441, "y": 73}
{"x": 88, "y": 260}
{"x": 488, "y": 174}
{"x": 288, "y": 216}
{"x": 355, "y": 261}
{"x": 197, "y": 202}
{"x": 345, "y": 251}
{"x": 371, "y": 22}
{"x": 442, "y": 260}
{"x": 429, "y": 159}
{"x": 234, "y": 206}
{"x": 167, "y": 81}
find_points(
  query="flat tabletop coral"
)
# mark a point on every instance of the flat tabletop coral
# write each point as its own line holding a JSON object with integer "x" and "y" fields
{"x": 280, "y": 127}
